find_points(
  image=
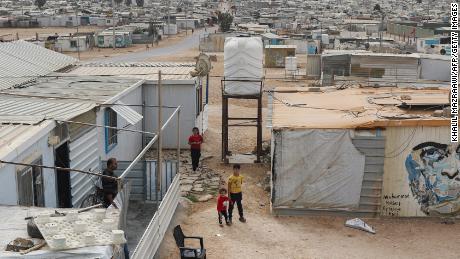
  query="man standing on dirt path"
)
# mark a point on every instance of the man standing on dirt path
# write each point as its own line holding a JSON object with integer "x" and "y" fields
{"x": 195, "y": 141}
{"x": 236, "y": 195}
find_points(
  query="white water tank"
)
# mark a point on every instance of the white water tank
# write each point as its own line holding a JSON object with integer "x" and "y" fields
{"x": 243, "y": 60}
{"x": 290, "y": 64}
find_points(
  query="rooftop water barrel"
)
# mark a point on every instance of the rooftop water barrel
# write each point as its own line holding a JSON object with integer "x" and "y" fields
{"x": 243, "y": 60}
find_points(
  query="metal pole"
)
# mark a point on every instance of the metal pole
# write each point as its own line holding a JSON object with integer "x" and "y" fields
{"x": 113, "y": 22}
{"x": 259, "y": 128}
{"x": 178, "y": 143}
{"x": 147, "y": 147}
{"x": 78, "y": 40}
{"x": 159, "y": 146}
{"x": 186, "y": 21}
{"x": 169, "y": 17}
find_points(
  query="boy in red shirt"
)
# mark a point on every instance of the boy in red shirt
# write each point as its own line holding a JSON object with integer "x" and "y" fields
{"x": 222, "y": 204}
{"x": 195, "y": 141}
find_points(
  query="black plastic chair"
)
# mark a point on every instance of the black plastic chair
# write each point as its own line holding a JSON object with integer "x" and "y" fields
{"x": 188, "y": 252}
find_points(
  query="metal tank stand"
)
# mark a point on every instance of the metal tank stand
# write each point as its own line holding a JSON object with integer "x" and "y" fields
{"x": 225, "y": 119}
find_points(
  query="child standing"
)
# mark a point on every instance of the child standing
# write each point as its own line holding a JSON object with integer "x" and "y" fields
{"x": 234, "y": 187}
{"x": 195, "y": 141}
{"x": 222, "y": 203}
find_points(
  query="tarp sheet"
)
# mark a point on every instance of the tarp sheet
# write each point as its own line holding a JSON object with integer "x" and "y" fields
{"x": 317, "y": 169}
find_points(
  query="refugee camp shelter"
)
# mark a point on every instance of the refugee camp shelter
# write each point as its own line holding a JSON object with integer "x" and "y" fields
{"x": 271, "y": 39}
{"x": 73, "y": 43}
{"x": 55, "y": 119}
{"x": 105, "y": 39}
{"x": 179, "y": 88}
{"x": 40, "y": 125}
{"x": 275, "y": 55}
{"x": 378, "y": 151}
{"x": 382, "y": 69}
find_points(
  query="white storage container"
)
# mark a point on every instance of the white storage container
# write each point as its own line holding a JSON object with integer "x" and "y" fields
{"x": 243, "y": 60}
{"x": 290, "y": 64}
{"x": 325, "y": 38}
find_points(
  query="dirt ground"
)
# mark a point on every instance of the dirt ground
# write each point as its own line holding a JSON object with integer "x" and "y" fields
{"x": 268, "y": 236}
{"x": 109, "y": 52}
{"x": 29, "y": 33}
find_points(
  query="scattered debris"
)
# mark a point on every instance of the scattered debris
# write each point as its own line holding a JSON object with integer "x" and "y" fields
{"x": 265, "y": 184}
{"x": 19, "y": 244}
{"x": 438, "y": 113}
{"x": 314, "y": 89}
{"x": 405, "y": 97}
{"x": 447, "y": 221}
{"x": 359, "y": 224}
{"x": 35, "y": 247}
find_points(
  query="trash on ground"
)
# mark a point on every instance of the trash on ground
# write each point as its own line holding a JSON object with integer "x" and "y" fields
{"x": 359, "y": 224}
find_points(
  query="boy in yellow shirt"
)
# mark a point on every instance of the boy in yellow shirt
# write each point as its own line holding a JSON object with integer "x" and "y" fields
{"x": 234, "y": 188}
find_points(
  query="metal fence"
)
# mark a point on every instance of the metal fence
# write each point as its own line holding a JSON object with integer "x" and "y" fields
{"x": 143, "y": 178}
{"x": 152, "y": 237}
{"x": 156, "y": 192}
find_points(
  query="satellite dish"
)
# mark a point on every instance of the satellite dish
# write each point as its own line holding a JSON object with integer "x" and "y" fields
{"x": 202, "y": 66}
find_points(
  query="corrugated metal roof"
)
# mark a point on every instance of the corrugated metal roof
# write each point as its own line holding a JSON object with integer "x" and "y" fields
{"x": 13, "y": 136}
{"x": 127, "y": 113}
{"x": 140, "y": 64}
{"x": 149, "y": 71}
{"x": 33, "y": 111}
{"x": 23, "y": 62}
{"x": 74, "y": 88}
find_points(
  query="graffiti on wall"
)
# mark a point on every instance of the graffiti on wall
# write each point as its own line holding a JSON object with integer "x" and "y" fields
{"x": 434, "y": 180}
{"x": 392, "y": 204}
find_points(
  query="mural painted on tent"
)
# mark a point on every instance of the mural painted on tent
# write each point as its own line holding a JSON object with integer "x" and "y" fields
{"x": 433, "y": 172}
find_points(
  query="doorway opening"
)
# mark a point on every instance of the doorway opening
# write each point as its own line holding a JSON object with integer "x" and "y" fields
{"x": 64, "y": 195}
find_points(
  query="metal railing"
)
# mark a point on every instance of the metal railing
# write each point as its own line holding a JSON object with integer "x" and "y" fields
{"x": 153, "y": 235}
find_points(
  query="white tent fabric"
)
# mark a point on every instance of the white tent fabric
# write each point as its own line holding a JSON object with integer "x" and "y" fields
{"x": 317, "y": 169}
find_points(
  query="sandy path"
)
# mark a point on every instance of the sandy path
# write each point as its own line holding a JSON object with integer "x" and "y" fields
{"x": 268, "y": 236}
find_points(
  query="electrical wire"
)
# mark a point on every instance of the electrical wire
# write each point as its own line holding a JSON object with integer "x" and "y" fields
{"x": 103, "y": 126}
{"x": 60, "y": 169}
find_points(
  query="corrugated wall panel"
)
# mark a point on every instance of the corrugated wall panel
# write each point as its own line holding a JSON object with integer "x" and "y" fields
{"x": 371, "y": 190}
{"x": 83, "y": 153}
{"x": 314, "y": 65}
{"x": 338, "y": 65}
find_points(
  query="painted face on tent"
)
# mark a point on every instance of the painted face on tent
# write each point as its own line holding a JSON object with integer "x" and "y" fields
{"x": 433, "y": 172}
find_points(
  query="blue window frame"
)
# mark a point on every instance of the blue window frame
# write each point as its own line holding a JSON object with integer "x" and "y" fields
{"x": 111, "y": 139}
